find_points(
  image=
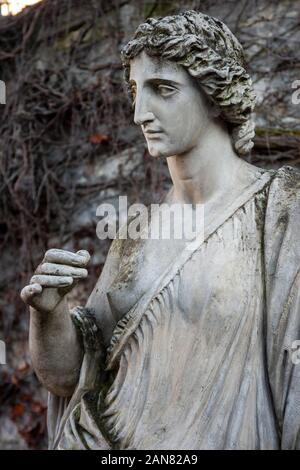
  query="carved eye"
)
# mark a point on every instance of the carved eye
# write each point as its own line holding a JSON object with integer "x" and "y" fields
{"x": 166, "y": 90}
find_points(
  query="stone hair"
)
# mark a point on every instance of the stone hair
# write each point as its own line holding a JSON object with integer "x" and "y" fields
{"x": 211, "y": 53}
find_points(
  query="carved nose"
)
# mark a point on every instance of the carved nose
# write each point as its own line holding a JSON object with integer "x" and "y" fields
{"x": 142, "y": 113}
{"x": 142, "y": 118}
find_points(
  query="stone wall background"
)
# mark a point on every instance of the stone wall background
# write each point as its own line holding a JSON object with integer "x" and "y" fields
{"x": 68, "y": 144}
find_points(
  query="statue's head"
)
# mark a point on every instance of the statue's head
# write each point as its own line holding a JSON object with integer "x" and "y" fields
{"x": 205, "y": 52}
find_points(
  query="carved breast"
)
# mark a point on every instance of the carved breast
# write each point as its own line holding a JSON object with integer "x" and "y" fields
{"x": 142, "y": 262}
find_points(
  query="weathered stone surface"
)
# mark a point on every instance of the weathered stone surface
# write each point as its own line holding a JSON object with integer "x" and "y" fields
{"x": 78, "y": 66}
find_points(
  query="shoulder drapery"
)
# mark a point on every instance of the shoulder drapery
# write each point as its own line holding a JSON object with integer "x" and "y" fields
{"x": 282, "y": 281}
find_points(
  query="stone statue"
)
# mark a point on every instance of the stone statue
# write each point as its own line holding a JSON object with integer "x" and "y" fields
{"x": 183, "y": 348}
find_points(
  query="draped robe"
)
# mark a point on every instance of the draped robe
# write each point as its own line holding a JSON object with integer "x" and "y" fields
{"x": 205, "y": 359}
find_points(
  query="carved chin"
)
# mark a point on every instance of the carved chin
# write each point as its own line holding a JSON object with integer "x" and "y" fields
{"x": 160, "y": 152}
{"x": 157, "y": 152}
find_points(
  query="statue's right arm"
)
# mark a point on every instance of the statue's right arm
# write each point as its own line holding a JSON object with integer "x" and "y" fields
{"x": 55, "y": 346}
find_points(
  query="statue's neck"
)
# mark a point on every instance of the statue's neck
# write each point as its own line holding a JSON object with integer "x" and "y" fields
{"x": 206, "y": 170}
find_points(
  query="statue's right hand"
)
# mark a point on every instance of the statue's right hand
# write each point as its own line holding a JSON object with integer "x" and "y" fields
{"x": 54, "y": 278}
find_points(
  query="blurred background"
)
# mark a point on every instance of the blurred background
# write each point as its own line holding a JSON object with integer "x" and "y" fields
{"x": 68, "y": 144}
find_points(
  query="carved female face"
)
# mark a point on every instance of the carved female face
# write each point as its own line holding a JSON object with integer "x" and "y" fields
{"x": 169, "y": 106}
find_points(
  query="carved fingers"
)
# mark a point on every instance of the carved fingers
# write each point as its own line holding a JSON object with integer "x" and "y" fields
{"x": 58, "y": 270}
{"x": 60, "y": 267}
{"x": 79, "y": 259}
{"x": 30, "y": 291}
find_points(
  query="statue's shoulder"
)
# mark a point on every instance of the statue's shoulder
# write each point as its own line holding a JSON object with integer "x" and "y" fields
{"x": 288, "y": 177}
{"x": 284, "y": 193}
{"x": 286, "y": 180}
{"x": 123, "y": 245}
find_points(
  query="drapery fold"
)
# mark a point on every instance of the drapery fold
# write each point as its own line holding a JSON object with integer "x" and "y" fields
{"x": 203, "y": 359}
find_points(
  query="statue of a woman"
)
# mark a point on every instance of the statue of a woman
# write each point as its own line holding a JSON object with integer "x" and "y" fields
{"x": 183, "y": 346}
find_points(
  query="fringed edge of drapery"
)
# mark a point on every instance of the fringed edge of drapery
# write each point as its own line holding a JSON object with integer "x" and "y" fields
{"x": 119, "y": 430}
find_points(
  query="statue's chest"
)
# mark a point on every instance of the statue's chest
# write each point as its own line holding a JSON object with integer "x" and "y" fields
{"x": 142, "y": 263}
